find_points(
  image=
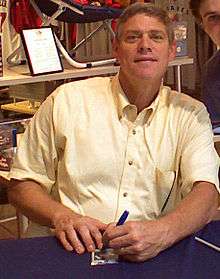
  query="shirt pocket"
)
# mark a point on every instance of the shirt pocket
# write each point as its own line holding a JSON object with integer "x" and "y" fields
{"x": 166, "y": 192}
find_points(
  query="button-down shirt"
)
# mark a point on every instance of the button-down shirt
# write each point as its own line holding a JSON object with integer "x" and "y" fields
{"x": 88, "y": 147}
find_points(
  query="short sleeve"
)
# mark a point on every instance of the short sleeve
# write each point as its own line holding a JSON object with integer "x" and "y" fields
{"x": 36, "y": 157}
{"x": 199, "y": 160}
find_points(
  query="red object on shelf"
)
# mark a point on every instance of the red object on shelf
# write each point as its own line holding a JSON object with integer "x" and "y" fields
{"x": 22, "y": 15}
{"x": 82, "y": 2}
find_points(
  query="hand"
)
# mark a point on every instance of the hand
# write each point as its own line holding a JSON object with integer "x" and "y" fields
{"x": 137, "y": 240}
{"x": 78, "y": 233}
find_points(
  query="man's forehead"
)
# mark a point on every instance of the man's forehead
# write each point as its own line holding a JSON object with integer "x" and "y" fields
{"x": 210, "y": 7}
{"x": 136, "y": 30}
{"x": 210, "y": 11}
{"x": 150, "y": 18}
{"x": 142, "y": 21}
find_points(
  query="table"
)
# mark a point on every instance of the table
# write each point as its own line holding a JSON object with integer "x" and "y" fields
{"x": 44, "y": 258}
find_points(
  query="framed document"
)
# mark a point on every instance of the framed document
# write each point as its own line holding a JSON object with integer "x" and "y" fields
{"x": 41, "y": 51}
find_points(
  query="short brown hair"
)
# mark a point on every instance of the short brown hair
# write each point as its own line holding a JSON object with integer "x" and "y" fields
{"x": 148, "y": 10}
{"x": 195, "y": 7}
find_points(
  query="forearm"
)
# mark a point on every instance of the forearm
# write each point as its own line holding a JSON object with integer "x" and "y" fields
{"x": 196, "y": 210}
{"x": 73, "y": 230}
{"x": 35, "y": 203}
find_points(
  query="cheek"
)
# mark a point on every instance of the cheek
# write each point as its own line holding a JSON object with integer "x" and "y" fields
{"x": 212, "y": 29}
{"x": 124, "y": 55}
{"x": 216, "y": 30}
{"x": 214, "y": 33}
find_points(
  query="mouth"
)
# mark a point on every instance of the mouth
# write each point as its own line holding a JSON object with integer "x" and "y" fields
{"x": 145, "y": 59}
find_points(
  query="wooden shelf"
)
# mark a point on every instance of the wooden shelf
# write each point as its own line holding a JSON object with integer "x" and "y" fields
{"x": 179, "y": 61}
{"x": 21, "y": 75}
{"x": 216, "y": 138}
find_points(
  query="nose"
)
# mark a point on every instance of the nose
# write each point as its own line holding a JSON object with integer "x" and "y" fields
{"x": 145, "y": 44}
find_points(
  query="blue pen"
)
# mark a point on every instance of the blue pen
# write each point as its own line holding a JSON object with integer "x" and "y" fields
{"x": 123, "y": 218}
{"x": 121, "y": 221}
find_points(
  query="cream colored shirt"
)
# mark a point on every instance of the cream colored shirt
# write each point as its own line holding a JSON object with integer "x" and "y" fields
{"x": 87, "y": 146}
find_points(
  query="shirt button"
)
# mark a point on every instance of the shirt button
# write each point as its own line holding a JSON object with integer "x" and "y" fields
{"x": 125, "y": 194}
{"x": 130, "y": 163}
{"x": 134, "y": 132}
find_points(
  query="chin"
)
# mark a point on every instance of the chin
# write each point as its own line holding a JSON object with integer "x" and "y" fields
{"x": 146, "y": 73}
{"x": 145, "y": 76}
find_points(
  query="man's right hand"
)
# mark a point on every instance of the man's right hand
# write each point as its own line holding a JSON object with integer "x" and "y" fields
{"x": 79, "y": 233}
{"x": 75, "y": 231}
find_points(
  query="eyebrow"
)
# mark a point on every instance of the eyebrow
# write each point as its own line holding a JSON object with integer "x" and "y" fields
{"x": 132, "y": 31}
{"x": 139, "y": 31}
{"x": 210, "y": 13}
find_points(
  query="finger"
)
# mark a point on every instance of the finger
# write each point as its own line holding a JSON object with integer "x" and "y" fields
{"x": 131, "y": 255}
{"x": 133, "y": 258}
{"x": 110, "y": 226}
{"x": 105, "y": 238}
{"x": 137, "y": 257}
{"x": 124, "y": 251}
{"x": 113, "y": 232}
{"x": 74, "y": 241}
{"x": 125, "y": 254}
{"x": 84, "y": 233}
{"x": 119, "y": 242}
{"x": 62, "y": 237}
{"x": 101, "y": 226}
{"x": 97, "y": 236}
{"x": 70, "y": 241}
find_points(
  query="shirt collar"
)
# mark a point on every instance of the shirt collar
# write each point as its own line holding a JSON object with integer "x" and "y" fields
{"x": 120, "y": 98}
{"x": 123, "y": 105}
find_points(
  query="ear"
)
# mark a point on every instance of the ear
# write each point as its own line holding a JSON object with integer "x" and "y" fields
{"x": 172, "y": 51}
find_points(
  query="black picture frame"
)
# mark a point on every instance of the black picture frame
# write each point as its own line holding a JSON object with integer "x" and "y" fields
{"x": 41, "y": 51}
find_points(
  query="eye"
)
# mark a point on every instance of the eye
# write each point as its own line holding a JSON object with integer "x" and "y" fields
{"x": 132, "y": 37}
{"x": 157, "y": 36}
{"x": 213, "y": 19}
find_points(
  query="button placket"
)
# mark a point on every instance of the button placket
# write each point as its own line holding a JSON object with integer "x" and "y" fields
{"x": 129, "y": 173}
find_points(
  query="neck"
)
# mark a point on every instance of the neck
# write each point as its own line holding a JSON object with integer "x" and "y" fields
{"x": 140, "y": 93}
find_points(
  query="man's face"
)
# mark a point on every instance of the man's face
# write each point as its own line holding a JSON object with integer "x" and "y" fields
{"x": 143, "y": 49}
{"x": 210, "y": 13}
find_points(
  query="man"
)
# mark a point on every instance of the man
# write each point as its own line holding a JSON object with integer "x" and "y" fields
{"x": 100, "y": 146}
{"x": 207, "y": 13}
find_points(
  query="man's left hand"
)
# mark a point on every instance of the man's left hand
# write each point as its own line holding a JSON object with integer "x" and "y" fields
{"x": 137, "y": 240}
